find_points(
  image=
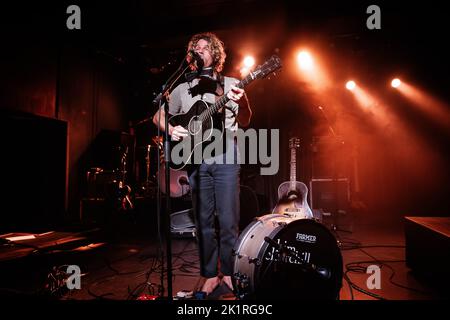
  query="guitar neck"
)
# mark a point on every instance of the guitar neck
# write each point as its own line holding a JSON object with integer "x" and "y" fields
{"x": 224, "y": 99}
{"x": 293, "y": 173}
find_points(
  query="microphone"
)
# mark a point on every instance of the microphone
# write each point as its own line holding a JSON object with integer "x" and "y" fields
{"x": 158, "y": 97}
{"x": 322, "y": 272}
{"x": 273, "y": 243}
{"x": 195, "y": 57}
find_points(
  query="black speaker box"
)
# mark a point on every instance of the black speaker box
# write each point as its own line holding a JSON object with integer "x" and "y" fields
{"x": 329, "y": 195}
{"x": 427, "y": 241}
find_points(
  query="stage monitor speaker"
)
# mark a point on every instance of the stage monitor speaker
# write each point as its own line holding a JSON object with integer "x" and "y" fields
{"x": 182, "y": 223}
{"x": 329, "y": 194}
{"x": 330, "y": 158}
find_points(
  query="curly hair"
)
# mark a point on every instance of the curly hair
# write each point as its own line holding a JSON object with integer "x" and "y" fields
{"x": 217, "y": 48}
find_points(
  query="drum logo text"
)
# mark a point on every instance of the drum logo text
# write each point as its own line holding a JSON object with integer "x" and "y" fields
{"x": 293, "y": 256}
{"x": 306, "y": 238}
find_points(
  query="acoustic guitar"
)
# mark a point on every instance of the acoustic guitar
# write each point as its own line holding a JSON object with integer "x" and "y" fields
{"x": 292, "y": 194}
{"x": 199, "y": 120}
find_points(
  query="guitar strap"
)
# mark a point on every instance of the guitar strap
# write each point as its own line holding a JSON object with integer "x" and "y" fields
{"x": 220, "y": 91}
{"x": 222, "y": 79}
{"x": 220, "y": 86}
{"x": 221, "y": 82}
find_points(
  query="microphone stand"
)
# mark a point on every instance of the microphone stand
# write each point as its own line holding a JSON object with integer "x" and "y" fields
{"x": 162, "y": 99}
{"x": 167, "y": 151}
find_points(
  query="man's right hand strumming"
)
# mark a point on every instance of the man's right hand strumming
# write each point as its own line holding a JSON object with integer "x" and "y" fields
{"x": 177, "y": 133}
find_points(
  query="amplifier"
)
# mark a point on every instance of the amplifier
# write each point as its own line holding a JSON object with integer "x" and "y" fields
{"x": 329, "y": 194}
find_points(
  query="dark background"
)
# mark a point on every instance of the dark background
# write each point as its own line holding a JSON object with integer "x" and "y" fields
{"x": 63, "y": 91}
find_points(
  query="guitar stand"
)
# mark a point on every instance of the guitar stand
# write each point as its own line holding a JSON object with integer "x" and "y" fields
{"x": 335, "y": 228}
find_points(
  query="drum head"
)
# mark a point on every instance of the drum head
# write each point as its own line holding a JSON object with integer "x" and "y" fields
{"x": 307, "y": 265}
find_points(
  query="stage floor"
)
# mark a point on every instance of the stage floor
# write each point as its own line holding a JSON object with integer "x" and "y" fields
{"x": 127, "y": 266}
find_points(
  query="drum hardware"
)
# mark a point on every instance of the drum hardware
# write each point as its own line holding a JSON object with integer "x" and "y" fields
{"x": 282, "y": 223}
{"x": 148, "y": 159}
{"x": 242, "y": 283}
{"x": 124, "y": 190}
{"x": 233, "y": 253}
{"x": 147, "y": 165}
{"x": 146, "y": 162}
{"x": 256, "y": 261}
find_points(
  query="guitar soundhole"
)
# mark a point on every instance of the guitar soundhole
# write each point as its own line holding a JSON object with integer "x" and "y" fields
{"x": 294, "y": 194}
{"x": 195, "y": 126}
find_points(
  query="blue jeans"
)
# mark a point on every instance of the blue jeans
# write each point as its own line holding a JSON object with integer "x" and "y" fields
{"x": 215, "y": 192}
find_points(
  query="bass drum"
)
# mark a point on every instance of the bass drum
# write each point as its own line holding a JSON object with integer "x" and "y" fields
{"x": 279, "y": 257}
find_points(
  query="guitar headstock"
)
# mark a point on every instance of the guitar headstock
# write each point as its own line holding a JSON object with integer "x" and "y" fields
{"x": 294, "y": 142}
{"x": 271, "y": 65}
